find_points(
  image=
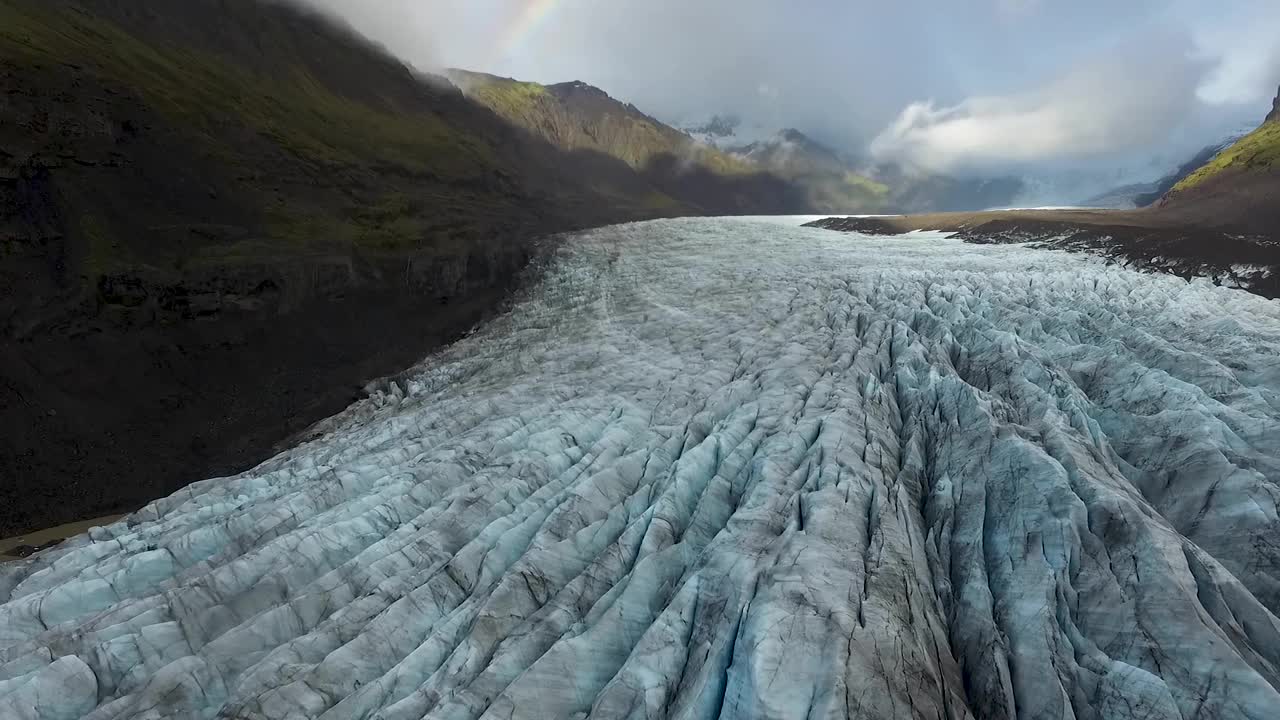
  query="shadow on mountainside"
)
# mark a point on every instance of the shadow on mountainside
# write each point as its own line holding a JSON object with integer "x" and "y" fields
{"x": 218, "y": 222}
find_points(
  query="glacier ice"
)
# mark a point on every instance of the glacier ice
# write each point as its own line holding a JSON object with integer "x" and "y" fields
{"x": 727, "y": 469}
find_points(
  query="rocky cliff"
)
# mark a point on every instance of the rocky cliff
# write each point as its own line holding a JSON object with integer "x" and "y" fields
{"x": 219, "y": 218}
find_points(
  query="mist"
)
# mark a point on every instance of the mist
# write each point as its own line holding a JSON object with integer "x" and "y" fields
{"x": 964, "y": 86}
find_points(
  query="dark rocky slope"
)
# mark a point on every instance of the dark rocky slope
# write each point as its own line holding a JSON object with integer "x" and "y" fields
{"x": 220, "y": 218}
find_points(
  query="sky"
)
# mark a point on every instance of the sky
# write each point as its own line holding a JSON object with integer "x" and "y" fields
{"x": 945, "y": 85}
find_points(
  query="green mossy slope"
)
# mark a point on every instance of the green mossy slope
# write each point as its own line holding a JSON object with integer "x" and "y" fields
{"x": 1259, "y": 150}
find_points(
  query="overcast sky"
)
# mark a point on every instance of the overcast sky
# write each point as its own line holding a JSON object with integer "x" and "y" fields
{"x": 945, "y": 84}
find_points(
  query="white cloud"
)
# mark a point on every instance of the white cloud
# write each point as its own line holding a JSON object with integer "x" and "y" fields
{"x": 1247, "y": 59}
{"x": 1112, "y": 104}
{"x": 843, "y": 70}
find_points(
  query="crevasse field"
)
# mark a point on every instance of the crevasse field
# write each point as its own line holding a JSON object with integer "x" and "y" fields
{"x": 727, "y": 469}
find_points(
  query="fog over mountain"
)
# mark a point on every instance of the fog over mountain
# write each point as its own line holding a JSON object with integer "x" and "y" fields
{"x": 974, "y": 85}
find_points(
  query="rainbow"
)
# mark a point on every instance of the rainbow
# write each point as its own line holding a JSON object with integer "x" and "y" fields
{"x": 524, "y": 24}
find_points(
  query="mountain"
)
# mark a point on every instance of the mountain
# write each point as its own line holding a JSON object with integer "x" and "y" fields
{"x": 831, "y": 183}
{"x": 821, "y": 178}
{"x": 675, "y": 169}
{"x": 244, "y": 211}
{"x": 1162, "y": 186}
{"x": 1239, "y": 188}
{"x": 291, "y": 128}
{"x": 726, "y": 131}
{"x": 915, "y": 192}
{"x": 578, "y": 116}
{"x": 794, "y": 152}
{"x": 835, "y": 183}
{"x": 220, "y": 218}
{"x": 718, "y": 129}
{"x": 1142, "y": 194}
{"x": 1124, "y": 197}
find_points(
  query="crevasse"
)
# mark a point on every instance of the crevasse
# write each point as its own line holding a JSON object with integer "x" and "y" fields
{"x": 727, "y": 469}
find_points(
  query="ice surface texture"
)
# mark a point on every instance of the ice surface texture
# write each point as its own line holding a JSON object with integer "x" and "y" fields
{"x": 715, "y": 468}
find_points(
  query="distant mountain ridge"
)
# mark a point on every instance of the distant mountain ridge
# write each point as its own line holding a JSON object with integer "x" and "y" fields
{"x": 575, "y": 115}
{"x": 718, "y": 128}
{"x": 726, "y": 131}
{"x": 1162, "y": 186}
{"x": 668, "y": 165}
{"x": 1138, "y": 195}
{"x": 836, "y": 183}
{"x": 791, "y": 148}
{"x": 830, "y": 181}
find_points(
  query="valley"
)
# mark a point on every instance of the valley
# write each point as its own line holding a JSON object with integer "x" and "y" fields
{"x": 215, "y": 222}
{"x": 683, "y": 374}
{"x": 808, "y": 474}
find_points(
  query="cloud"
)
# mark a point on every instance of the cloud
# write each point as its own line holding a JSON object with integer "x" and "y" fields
{"x": 1125, "y": 100}
{"x": 1243, "y": 43}
{"x": 1016, "y": 9}
{"x": 1012, "y": 81}
{"x": 416, "y": 31}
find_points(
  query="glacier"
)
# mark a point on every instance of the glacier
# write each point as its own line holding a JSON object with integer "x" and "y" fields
{"x": 722, "y": 468}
